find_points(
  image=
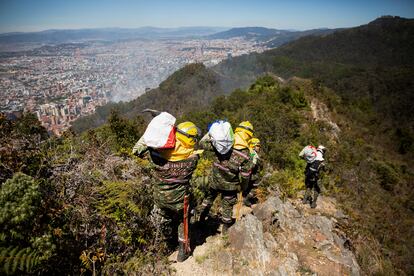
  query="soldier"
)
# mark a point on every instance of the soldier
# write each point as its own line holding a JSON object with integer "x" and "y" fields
{"x": 312, "y": 171}
{"x": 173, "y": 171}
{"x": 250, "y": 193}
{"x": 231, "y": 171}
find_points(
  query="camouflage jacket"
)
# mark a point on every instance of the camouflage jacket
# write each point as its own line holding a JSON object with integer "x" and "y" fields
{"x": 171, "y": 178}
{"x": 231, "y": 171}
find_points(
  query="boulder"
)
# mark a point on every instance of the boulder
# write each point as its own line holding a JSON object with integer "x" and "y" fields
{"x": 246, "y": 237}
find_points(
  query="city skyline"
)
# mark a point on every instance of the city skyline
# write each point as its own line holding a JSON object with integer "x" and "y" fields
{"x": 31, "y": 16}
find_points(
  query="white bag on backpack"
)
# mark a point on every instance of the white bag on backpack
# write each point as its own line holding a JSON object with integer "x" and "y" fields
{"x": 308, "y": 153}
{"x": 222, "y": 136}
{"x": 160, "y": 132}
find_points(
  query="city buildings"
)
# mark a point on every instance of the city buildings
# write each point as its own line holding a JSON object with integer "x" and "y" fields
{"x": 63, "y": 82}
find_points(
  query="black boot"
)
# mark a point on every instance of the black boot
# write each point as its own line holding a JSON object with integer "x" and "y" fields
{"x": 307, "y": 197}
{"x": 203, "y": 215}
{"x": 225, "y": 228}
{"x": 182, "y": 254}
{"x": 246, "y": 202}
{"x": 315, "y": 197}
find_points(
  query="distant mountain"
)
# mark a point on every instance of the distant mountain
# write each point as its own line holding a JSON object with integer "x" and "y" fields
{"x": 271, "y": 37}
{"x": 109, "y": 34}
{"x": 248, "y": 32}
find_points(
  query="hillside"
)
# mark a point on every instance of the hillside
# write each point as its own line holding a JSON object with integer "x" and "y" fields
{"x": 248, "y": 32}
{"x": 270, "y": 37}
{"x": 370, "y": 66}
{"x": 188, "y": 89}
{"x": 370, "y": 179}
{"x": 96, "y": 197}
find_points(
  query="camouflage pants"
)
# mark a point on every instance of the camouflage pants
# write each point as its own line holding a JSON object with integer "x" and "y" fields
{"x": 312, "y": 184}
{"x": 169, "y": 225}
{"x": 228, "y": 199}
{"x": 251, "y": 190}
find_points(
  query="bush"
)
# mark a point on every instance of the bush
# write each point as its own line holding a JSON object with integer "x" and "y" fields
{"x": 19, "y": 203}
{"x": 23, "y": 243}
{"x": 126, "y": 132}
{"x": 388, "y": 176}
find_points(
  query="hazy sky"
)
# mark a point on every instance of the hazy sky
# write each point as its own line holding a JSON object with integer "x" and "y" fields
{"x": 35, "y": 15}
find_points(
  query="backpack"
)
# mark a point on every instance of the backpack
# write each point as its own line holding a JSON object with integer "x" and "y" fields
{"x": 222, "y": 136}
{"x": 160, "y": 132}
{"x": 308, "y": 153}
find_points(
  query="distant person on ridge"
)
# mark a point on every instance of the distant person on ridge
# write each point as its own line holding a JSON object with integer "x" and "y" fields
{"x": 315, "y": 162}
{"x": 230, "y": 173}
{"x": 173, "y": 170}
{"x": 251, "y": 192}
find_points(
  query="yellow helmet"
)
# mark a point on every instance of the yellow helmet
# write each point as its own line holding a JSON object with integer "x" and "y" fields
{"x": 254, "y": 142}
{"x": 246, "y": 127}
{"x": 187, "y": 133}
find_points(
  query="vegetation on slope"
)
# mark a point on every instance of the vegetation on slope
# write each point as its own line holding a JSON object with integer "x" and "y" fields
{"x": 187, "y": 89}
{"x": 96, "y": 197}
{"x": 372, "y": 183}
{"x": 370, "y": 66}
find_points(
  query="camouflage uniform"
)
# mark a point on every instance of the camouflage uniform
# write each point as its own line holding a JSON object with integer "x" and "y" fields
{"x": 230, "y": 173}
{"x": 171, "y": 185}
{"x": 250, "y": 192}
{"x": 312, "y": 171}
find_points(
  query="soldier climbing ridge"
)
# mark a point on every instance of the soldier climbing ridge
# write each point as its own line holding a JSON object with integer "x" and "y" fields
{"x": 250, "y": 194}
{"x": 173, "y": 170}
{"x": 315, "y": 163}
{"x": 230, "y": 173}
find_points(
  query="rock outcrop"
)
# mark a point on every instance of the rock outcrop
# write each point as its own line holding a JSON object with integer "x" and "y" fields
{"x": 277, "y": 238}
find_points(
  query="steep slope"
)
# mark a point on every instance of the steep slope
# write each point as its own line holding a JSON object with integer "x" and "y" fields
{"x": 370, "y": 66}
{"x": 93, "y": 215}
{"x": 188, "y": 89}
{"x": 371, "y": 182}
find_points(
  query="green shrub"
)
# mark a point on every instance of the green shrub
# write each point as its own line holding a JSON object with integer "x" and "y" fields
{"x": 287, "y": 183}
{"x": 19, "y": 203}
{"x": 294, "y": 97}
{"x": 127, "y": 203}
{"x": 23, "y": 242}
{"x": 126, "y": 132}
{"x": 404, "y": 139}
{"x": 388, "y": 176}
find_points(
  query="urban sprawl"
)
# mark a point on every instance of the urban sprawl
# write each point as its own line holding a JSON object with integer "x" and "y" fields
{"x": 61, "y": 83}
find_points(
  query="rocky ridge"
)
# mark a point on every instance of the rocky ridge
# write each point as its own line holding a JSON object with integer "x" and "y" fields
{"x": 278, "y": 238}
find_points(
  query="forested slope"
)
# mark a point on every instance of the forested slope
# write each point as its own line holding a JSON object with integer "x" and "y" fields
{"x": 187, "y": 89}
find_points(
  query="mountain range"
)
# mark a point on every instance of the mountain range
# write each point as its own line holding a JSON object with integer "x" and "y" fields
{"x": 107, "y": 34}
{"x": 272, "y": 37}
